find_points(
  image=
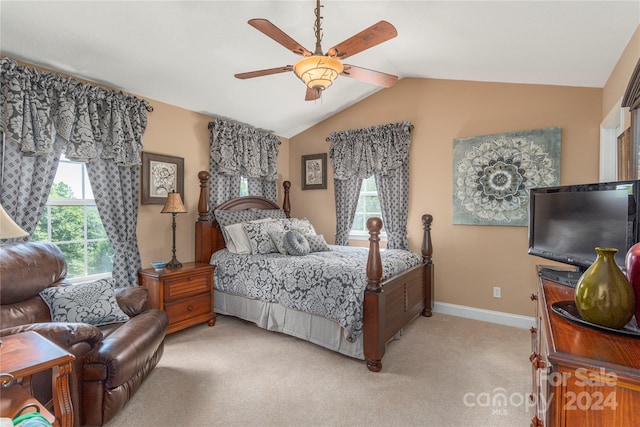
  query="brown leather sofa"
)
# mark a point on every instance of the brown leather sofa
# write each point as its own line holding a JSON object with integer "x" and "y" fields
{"x": 112, "y": 361}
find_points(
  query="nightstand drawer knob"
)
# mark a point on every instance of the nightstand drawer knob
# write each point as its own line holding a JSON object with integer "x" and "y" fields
{"x": 190, "y": 308}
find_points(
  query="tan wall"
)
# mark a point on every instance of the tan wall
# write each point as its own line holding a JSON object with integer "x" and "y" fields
{"x": 177, "y": 132}
{"x": 619, "y": 78}
{"x": 174, "y": 131}
{"x": 469, "y": 260}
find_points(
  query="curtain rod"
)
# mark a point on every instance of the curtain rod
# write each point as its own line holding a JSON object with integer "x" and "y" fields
{"x": 240, "y": 123}
{"x": 410, "y": 129}
{"x": 269, "y": 132}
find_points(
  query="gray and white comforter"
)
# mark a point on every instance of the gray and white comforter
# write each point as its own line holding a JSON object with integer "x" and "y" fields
{"x": 329, "y": 284}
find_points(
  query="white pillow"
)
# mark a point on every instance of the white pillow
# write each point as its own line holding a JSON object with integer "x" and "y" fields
{"x": 238, "y": 240}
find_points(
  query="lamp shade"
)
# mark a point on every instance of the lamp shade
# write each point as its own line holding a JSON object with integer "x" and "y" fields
{"x": 8, "y": 228}
{"x": 318, "y": 71}
{"x": 173, "y": 204}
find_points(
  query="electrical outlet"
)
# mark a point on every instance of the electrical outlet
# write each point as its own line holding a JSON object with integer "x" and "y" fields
{"x": 497, "y": 292}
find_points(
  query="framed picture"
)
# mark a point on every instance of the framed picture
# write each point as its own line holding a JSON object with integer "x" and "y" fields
{"x": 314, "y": 172}
{"x": 160, "y": 176}
{"x": 492, "y": 174}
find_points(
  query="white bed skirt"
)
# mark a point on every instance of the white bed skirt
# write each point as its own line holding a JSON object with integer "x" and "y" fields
{"x": 275, "y": 317}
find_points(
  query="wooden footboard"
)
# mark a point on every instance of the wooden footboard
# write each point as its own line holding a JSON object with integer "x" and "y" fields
{"x": 388, "y": 305}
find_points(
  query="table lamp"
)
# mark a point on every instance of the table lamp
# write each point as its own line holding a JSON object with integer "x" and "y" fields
{"x": 174, "y": 206}
{"x": 8, "y": 228}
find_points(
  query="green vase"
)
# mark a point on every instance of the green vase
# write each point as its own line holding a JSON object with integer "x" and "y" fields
{"x": 604, "y": 296}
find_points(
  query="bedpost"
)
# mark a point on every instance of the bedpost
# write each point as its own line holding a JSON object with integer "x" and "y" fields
{"x": 203, "y": 224}
{"x": 374, "y": 264}
{"x": 203, "y": 199}
{"x": 286, "y": 204}
{"x": 374, "y": 342}
{"x": 427, "y": 251}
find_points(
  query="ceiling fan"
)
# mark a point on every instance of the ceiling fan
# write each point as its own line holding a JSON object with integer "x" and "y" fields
{"x": 318, "y": 70}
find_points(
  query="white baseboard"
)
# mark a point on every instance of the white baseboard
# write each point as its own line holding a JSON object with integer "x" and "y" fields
{"x": 507, "y": 319}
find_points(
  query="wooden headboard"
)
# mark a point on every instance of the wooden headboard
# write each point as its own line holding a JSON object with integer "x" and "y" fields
{"x": 208, "y": 233}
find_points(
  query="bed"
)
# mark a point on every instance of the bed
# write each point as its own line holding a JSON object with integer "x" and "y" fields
{"x": 389, "y": 302}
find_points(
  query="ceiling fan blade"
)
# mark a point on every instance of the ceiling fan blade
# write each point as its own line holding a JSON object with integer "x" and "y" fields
{"x": 369, "y": 76}
{"x": 312, "y": 94}
{"x": 260, "y": 73}
{"x": 278, "y": 35}
{"x": 374, "y": 35}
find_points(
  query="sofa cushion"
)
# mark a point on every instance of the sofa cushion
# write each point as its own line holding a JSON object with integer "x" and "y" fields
{"x": 94, "y": 303}
{"x": 30, "y": 267}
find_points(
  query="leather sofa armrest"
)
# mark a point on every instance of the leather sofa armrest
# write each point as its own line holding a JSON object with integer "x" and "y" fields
{"x": 132, "y": 300}
{"x": 65, "y": 335}
{"x": 124, "y": 352}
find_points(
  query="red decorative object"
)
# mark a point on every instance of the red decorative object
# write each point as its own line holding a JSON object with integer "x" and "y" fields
{"x": 632, "y": 263}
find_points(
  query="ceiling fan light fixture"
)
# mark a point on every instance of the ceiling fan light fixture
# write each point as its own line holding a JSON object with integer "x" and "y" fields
{"x": 318, "y": 71}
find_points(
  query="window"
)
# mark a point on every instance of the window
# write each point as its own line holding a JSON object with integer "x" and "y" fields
{"x": 71, "y": 221}
{"x": 368, "y": 206}
{"x": 244, "y": 186}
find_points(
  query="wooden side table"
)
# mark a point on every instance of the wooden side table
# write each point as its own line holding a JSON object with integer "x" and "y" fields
{"x": 184, "y": 293}
{"x": 28, "y": 353}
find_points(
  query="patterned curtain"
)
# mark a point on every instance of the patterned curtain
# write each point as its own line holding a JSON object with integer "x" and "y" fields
{"x": 43, "y": 114}
{"x": 382, "y": 151}
{"x": 25, "y": 182}
{"x": 262, "y": 187}
{"x": 347, "y": 193}
{"x": 241, "y": 150}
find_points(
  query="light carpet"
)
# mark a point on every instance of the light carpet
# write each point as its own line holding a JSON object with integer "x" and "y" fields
{"x": 443, "y": 371}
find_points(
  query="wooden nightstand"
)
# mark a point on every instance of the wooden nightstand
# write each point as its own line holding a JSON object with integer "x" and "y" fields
{"x": 184, "y": 293}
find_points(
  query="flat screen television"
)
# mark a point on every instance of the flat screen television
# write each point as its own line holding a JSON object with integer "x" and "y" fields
{"x": 567, "y": 223}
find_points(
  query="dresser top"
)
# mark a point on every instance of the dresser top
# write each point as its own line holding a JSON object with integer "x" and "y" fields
{"x": 583, "y": 344}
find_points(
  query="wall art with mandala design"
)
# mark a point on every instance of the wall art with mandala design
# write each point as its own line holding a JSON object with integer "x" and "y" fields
{"x": 492, "y": 174}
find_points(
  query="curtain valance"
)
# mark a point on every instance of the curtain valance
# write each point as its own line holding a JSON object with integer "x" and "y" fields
{"x": 358, "y": 153}
{"x": 239, "y": 149}
{"x": 36, "y": 106}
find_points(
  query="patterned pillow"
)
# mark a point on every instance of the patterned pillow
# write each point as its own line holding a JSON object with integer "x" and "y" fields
{"x": 225, "y": 218}
{"x": 94, "y": 303}
{"x": 238, "y": 240}
{"x": 317, "y": 243}
{"x": 259, "y": 236}
{"x": 295, "y": 243}
{"x": 299, "y": 224}
{"x": 278, "y": 241}
{"x": 269, "y": 213}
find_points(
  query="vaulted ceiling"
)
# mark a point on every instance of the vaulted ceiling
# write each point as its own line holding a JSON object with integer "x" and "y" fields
{"x": 186, "y": 53}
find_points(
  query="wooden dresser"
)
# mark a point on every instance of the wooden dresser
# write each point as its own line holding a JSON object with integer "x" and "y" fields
{"x": 184, "y": 293}
{"x": 581, "y": 376}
